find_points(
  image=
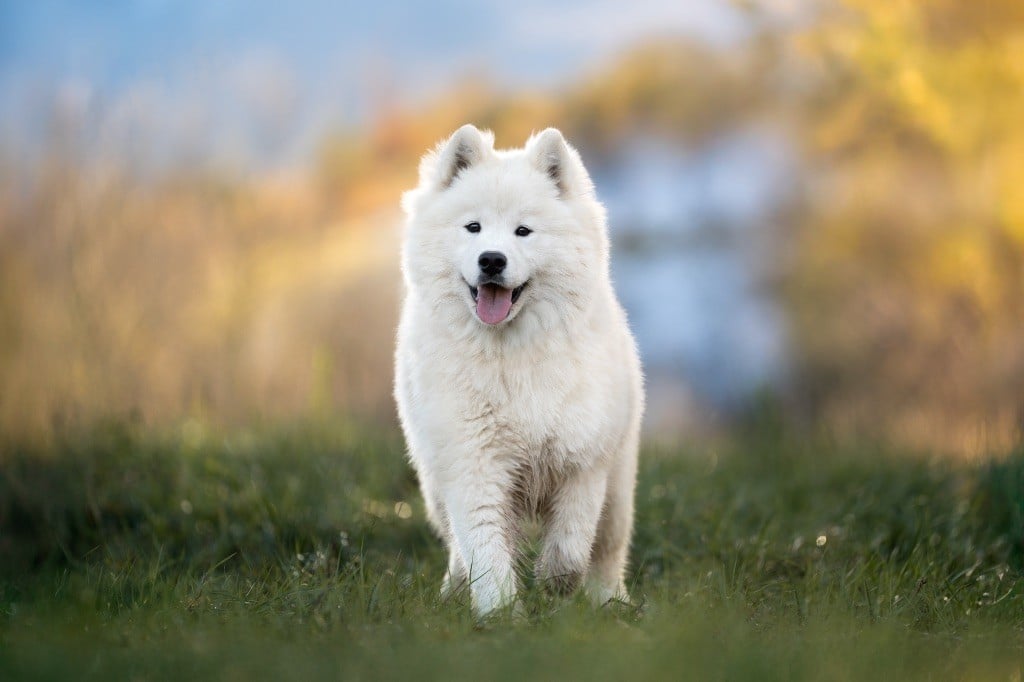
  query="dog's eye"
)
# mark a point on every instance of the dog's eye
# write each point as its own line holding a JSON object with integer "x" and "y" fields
{"x": 522, "y": 231}
{"x": 473, "y": 227}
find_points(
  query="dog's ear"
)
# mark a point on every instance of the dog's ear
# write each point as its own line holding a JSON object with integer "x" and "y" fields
{"x": 466, "y": 147}
{"x": 553, "y": 156}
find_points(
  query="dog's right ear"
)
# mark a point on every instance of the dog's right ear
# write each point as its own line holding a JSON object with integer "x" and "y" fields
{"x": 466, "y": 147}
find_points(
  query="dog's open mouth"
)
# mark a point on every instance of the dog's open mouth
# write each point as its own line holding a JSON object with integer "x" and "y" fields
{"x": 494, "y": 302}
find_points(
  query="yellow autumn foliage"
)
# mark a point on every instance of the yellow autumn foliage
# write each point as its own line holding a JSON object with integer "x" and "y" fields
{"x": 919, "y": 242}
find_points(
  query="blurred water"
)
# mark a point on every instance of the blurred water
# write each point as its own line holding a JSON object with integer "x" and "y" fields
{"x": 692, "y": 252}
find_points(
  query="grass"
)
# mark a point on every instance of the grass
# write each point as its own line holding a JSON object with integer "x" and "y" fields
{"x": 302, "y": 552}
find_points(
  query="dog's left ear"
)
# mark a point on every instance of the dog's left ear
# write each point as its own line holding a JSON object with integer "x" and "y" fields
{"x": 553, "y": 156}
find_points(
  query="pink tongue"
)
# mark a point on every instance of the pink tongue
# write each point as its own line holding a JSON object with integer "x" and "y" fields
{"x": 493, "y": 303}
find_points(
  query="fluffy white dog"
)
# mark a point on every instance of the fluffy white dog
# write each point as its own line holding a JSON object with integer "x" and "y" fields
{"x": 517, "y": 379}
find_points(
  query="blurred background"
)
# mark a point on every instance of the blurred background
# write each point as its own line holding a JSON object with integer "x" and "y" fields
{"x": 817, "y": 208}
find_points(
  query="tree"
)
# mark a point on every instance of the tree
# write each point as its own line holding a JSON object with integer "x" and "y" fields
{"x": 907, "y": 288}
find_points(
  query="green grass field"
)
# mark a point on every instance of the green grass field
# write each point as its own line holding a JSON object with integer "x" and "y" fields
{"x": 302, "y": 552}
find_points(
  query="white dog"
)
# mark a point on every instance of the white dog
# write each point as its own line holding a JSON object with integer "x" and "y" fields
{"x": 517, "y": 379}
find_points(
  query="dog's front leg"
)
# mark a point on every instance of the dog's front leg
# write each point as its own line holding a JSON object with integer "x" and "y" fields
{"x": 570, "y": 525}
{"x": 483, "y": 526}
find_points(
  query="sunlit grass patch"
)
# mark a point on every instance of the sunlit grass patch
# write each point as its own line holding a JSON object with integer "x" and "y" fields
{"x": 304, "y": 551}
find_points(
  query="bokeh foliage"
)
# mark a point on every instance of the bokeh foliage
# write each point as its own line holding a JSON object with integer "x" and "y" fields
{"x": 227, "y": 295}
{"x": 907, "y": 285}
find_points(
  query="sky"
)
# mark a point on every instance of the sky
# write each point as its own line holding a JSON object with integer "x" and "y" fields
{"x": 250, "y": 80}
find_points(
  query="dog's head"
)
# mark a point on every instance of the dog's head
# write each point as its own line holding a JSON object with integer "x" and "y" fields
{"x": 499, "y": 235}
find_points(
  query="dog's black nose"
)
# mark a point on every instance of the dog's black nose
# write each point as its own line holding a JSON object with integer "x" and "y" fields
{"x": 492, "y": 262}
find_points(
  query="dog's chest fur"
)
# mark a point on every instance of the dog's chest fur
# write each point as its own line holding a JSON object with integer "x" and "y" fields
{"x": 542, "y": 411}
